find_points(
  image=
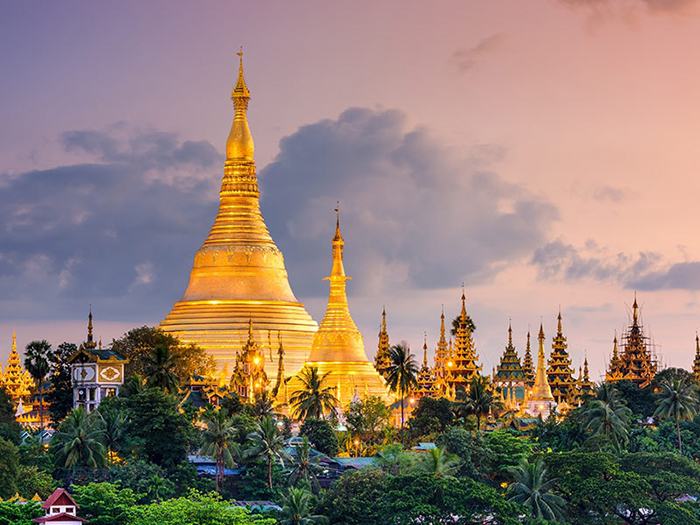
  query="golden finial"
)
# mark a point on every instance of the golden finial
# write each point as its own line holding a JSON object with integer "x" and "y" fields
{"x": 559, "y": 328}
{"x": 239, "y": 145}
{"x": 540, "y": 336}
{"x": 510, "y": 333}
{"x": 338, "y": 236}
{"x": 89, "y": 335}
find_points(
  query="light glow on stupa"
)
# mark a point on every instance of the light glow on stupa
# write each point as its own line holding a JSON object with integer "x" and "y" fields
{"x": 238, "y": 277}
{"x": 338, "y": 347}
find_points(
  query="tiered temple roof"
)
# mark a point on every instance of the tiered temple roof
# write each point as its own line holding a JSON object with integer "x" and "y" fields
{"x": 465, "y": 359}
{"x": 540, "y": 401}
{"x": 636, "y": 362}
{"x": 16, "y": 380}
{"x": 382, "y": 361}
{"x": 559, "y": 372}
{"x": 528, "y": 367}
{"x": 426, "y": 381}
{"x": 586, "y": 387}
{"x": 509, "y": 377}
{"x": 249, "y": 378}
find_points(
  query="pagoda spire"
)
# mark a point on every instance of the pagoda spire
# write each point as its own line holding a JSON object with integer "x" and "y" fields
{"x": 425, "y": 350}
{"x": 89, "y": 327}
{"x": 382, "y": 361}
{"x": 240, "y": 145}
{"x": 528, "y": 368}
{"x": 560, "y": 374}
{"x": 541, "y": 391}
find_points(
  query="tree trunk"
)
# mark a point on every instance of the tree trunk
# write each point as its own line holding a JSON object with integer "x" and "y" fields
{"x": 41, "y": 405}
{"x": 478, "y": 423}
{"x": 219, "y": 472}
{"x": 678, "y": 434}
{"x": 269, "y": 473}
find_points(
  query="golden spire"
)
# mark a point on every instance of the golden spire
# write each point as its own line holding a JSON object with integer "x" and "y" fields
{"x": 559, "y": 328}
{"x": 463, "y": 312}
{"x": 635, "y": 311}
{"x": 14, "y": 342}
{"x": 327, "y": 345}
{"x": 615, "y": 354}
{"x": 510, "y": 333}
{"x": 425, "y": 350}
{"x": 239, "y": 145}
{"x": 442, "y": 326}
{"x": 541, "y": 390}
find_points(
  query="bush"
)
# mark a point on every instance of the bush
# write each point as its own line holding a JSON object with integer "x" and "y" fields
{"x": 321, "y": 436}
{"x": 9, "y": 468}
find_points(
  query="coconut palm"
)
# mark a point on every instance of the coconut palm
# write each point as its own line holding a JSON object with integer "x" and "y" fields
{"x": 297, "y": 507}
{"x": 401, "y": 373}
{"x": 263, "y": 405}
{"x": 268, "y": 443}
{"x": 160, "y": 369}
{"x": 479, "y": 399}
{"x": 79, "y": 441}
{"x": 219, "y": 442}
{"x": 114, "y": 423}
{"x": 313, "y": 400}
{"x": 677, "y": 401}
{"x": 306, "y": 467}
{"x": 36, "y": 361}
{"x": 608, "y": 421}
{"x": 532, "y": 489}
{"x": 440, "y": 463}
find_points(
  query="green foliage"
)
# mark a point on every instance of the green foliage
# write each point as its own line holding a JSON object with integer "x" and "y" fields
{"x": 368, "y": 419}
{"x": 9, "y": 468}
{"x": 639, "y": 400}
{"x": 297, "y": 508}
{"x": 475, "y": 458}
{"x": 139, "y": 346}
{"x": 60, "y": 397}
{"x": 315, "y": 398}
{"x": 394, "y": 460}
{"x": 13, "y": 514}
{"x": 159, "y": 430}
{"x": 36, "y": 361}
{"x": 479, "y": 400}
{"x": 31, "y": 480}
{"x": 533, "y": 489}
{"x": 160, "y": 369}
{"x": 677, "y": 401}
{"x": 142, "y": 477}
{"x": 440, "y": 463}
{"x": 505, "y": 450}
{"x": 608, "y": 424}
{"x": 104, "y": 503}
{"x": 369, "y": 496}
{"x": 267, "y": 443}
{"x": 401, "y": 373}
{"x": 638, "y": 488}
{"x": 430, "y": 416}
{"x": 305, "y": 469}
{"x": 9, "y": 428}
{"x": 196, "y": 509}
{"x": 219, "y": 442}
{"x": 321, "y": 436}
{"x": 78, "y": 443}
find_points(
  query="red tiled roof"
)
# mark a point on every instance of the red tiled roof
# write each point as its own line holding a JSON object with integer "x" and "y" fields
{"x": 63, "y": 516}
{"x": 56, "y": 496}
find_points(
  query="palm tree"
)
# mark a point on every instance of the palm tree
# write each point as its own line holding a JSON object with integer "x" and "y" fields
{"x": 532, "y": 489}
{"x": 678, "y": 401}
{"x": 219, "y": 440}
{"x": 608, "y": 420}
{"x": 36, "y": 361}
{"x": 268, "y": 443}
{"x": 479, "y": 399}
{"x": 263, "y": 405}
{"x": 401, "y": 374}
{"x": 305, "y": 467}
{"x": 114, "y": 422}
{"x": 439, "y": 463}
{"x": 297, "y": 505}
{"x": 313, "y": 400}
{"x": 79, "y": 440}
{"x": 160, "y": 369}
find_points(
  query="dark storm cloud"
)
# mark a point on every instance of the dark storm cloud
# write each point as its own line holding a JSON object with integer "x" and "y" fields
{"x": 680, "y": 276}
{"x": 414, "y": 213}
{"x": 641, "y": 271}
{"x": 117, "y": 231}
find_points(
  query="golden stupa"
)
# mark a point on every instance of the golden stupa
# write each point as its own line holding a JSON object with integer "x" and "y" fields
{"x": 338, "y": 347}
{"x": 238, "y": 275}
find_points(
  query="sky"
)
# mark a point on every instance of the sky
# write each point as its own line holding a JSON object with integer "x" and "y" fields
{"x": 543, "y": 153}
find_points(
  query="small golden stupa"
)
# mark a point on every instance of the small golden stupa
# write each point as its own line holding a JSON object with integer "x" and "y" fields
{"x": 338, "y": 347}
{"x": 540, "y": 401}
{"x": 238, "y": 276}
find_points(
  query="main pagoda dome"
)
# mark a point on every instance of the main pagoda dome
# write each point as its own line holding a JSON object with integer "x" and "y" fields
{"x": 238, "y": 276}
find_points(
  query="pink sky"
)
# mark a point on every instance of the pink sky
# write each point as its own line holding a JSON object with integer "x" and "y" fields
{"x": 593, "y": 106}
